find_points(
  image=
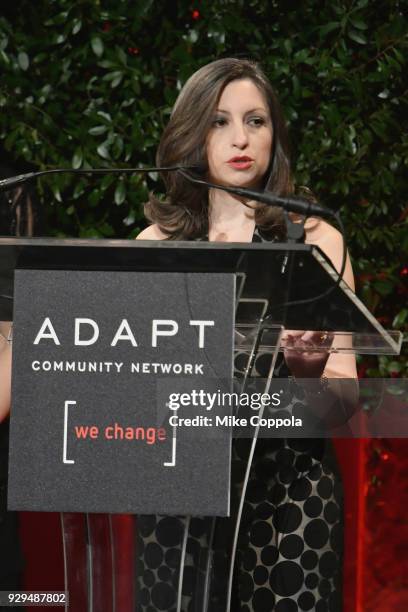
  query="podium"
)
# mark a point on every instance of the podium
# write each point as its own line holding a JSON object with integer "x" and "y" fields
{"x": 274, "y": 289}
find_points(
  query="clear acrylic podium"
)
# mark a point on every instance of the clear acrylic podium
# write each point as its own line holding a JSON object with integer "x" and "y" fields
{"x": 273, "y": 282}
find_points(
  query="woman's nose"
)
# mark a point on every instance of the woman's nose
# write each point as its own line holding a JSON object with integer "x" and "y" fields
{"x": 240, "y": 136}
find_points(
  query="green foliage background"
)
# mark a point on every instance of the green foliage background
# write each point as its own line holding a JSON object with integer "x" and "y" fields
{"x": 90, "y": 83}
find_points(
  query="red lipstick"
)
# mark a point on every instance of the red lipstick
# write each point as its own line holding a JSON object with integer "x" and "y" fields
{"x": 240, "y": 162}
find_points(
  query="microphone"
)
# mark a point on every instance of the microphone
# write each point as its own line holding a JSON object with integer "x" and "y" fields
{"x": 296, "y": 205}
{"x": 14, "y": 181}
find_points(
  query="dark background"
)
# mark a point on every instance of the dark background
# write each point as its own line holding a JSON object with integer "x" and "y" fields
{"x": 92, "y": 84}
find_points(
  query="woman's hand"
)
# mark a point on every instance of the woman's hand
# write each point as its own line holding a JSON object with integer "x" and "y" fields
{"x": 334, "y": 397}
{"x": 304, "y": 363}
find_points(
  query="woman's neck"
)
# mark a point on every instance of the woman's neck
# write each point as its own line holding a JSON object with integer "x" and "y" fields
{"x": 230, "y": 219}
{"x": 227, "y": 210}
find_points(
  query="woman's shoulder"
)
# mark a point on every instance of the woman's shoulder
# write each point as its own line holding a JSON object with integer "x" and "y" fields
{"x": 152, "y": 232}
{"x": 314, "y": 226}
{"x": 326, "y": 236}
{"x": 318, "y": 230}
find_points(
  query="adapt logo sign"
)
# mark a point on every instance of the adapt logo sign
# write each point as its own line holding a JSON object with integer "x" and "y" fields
{"x": 88, "y": 432}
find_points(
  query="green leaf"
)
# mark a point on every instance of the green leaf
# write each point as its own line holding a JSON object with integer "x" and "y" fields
{"x": 116, "y": 81}
{"x": 329, "y": 27}
{"x": 107, "y": 64}
{"x": 57, "y": 19}
{"x": 107, "y": 181}
{"x": 394, "y": 366}
{"x": 121, "y": 56}
{"x": 397, "y": 390}
{"x": 106, "y": 230}
{"x": 296, "y": 86}
{"x": 59, "y": 39}
{"x": 56, "y": 192}
{"x": 105, "y": 116}
{"x": 192, "y": 36}
{"x": 287, "y": 45}
{"x": 400, "y": 318}
{"x": 3, "y": 43}
{"x": 94, "y": 198}
{"x": 4, "y": 58}
{"x": 357, "y": 37}
{"x": 358, "y": 23}
{"x": 98, "y": 130}
{"x": 23, "y": 60}
{"x": 383, "y": 287}
{"x": 97, "y": 46}
{"x": 77, "y": 159}
{"x": 89, "y": 232}
{"x": 79, "y": 190}
{"x": 103, "y": 151}
{"x": 117, "y": 146}
{"x": 110, "y": 76}
{"x": 120, "y": 193}
{"x": 130, "y": 219}
{"x": 76, "y": 26}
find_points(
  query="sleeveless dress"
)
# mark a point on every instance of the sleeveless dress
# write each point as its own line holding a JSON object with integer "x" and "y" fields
{"x": 290, "y": 542}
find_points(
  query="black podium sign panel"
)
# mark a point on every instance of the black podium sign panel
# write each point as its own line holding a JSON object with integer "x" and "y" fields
{"x": 95, "y": 354}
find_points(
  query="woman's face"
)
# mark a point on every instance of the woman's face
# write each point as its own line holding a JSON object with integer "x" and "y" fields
{"x": 240, "y": 140}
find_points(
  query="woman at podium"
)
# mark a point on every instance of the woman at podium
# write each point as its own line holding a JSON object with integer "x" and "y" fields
{"x": 227, "y": 121}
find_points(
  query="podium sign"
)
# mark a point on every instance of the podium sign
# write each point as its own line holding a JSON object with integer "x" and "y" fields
{"x": 95, "y": 355}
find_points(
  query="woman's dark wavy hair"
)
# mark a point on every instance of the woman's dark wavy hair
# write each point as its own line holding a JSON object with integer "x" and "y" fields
{"x": 184, "y": 213}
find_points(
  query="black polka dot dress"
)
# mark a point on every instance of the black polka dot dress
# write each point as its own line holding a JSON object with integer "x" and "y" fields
{"x": 290, "y": 541}
{"x": 290, "y": 547}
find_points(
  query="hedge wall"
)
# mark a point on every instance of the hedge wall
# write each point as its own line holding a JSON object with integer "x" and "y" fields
{"x": 91, "y": 83}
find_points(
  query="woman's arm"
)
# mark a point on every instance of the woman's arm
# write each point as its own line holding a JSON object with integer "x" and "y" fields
{"x": 329, "y": 239}
{"x": 336, "y": 393}
{"x": 334, "y": 365}
{"x": 5, "y": 370}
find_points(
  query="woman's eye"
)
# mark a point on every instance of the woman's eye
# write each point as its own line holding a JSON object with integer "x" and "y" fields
{"x": 256, "y": 121}
{"x": 219, "y": 121}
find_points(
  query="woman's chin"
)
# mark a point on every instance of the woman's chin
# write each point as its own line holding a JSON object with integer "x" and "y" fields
{"x": 237, "y": 180}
